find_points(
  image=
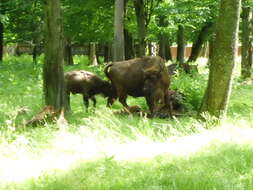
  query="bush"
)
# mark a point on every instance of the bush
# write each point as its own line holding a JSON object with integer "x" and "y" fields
{"x": 192, "y": 86}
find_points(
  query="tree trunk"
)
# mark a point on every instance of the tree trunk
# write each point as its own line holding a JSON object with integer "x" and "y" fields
{"x": 92, "y": 54}
{"x": 118, "y": 43}
{"x": 168, "y": 55}
{"x": 141, "y": 26}
{"x": 1, "y": 41}
{"x": 53, "y": 78}
{"x": 222, "y": 60}
{"x": 164, "y": 46}
{"x": 201, "y": 38}
{"x": 17, "y": 50}
{"x": 34, "y": 54}
{"x": 180, "y": 45}
{"x": 107, "y": 53}
{"x": 246, "y": 56}
{"x": 129, "y": 50}
{"x": 68, "y": 57}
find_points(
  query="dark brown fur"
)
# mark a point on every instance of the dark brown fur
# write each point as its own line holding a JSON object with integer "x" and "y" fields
{"x": 128, "y": 78}
{"x": 88, "y": 84}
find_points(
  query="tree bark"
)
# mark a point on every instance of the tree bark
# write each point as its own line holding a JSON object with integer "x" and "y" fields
{"x": 129, "y": 42}
{"x": 34, "y": 54}
{"x": 1, "y": 41}
{"x": 246, "y": 55}
{"x": 201, "y": 38}
{"x": 107, "y": 52}
{"x": 92, "y": 54}
{"x": 68, "y": 57}
{"x": 141, "y": 26}
{"x": 164, "y": 46}
{"x": 118, "y": 43}
{"x": 180, "y": 45}
{"x": 222, "y": 60}
{"x": 53, "y": 78}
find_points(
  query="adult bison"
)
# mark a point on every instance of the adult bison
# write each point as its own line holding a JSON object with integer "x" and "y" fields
{"x": 128, "y": 78}
{"x": 88, "y": 84}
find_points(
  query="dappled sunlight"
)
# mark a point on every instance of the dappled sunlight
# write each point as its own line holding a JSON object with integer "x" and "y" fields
{"x": 19, "y": 162}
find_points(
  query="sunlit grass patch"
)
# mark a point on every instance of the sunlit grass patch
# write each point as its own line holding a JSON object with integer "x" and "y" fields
{"x": 216, "y": 159}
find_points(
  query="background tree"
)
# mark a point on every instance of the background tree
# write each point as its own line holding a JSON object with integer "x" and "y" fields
{"x": 143, "y": 10}
{"x": 246, "y": 39}
{"x": 118, "y": 42}
{"x": 1, "y": 38}
{"x": 222, "y": 60}
{"x": 180, "y": 45}
{"x": 54, "y": 87}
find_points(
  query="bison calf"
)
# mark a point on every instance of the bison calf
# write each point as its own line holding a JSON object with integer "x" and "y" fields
{"x": 88, "y": 84}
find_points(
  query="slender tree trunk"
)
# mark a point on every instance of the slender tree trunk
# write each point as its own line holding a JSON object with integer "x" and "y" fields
{"x": 168, "y": 55}
{"x": 1, "y": 41}
{"x": 34, "y": 54}
{"x": 17, "y": 50}
{"x": 246, "y": 56}
{"x": 180, "y": 45}
{"x": 107, "y": 53}
{"x": 164, "y": 50}
{"x": 201, "y": 38}
{"x": 92, "y": 54}
{"x": 118, "y": 43}
{"x": 141, "y": 26}
{"x": 162, "y": 46}
{"x": 54, "y": 87}
{"x": 68, "y": 57}
{"x": 222, "y": 60}
{"x": 129, "y": 52}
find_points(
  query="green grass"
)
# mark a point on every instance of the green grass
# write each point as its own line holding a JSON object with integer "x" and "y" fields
{"x": 110, "y": 150}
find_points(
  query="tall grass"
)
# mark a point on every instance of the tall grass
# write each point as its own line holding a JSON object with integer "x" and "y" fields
{"x": 108, "y": 149}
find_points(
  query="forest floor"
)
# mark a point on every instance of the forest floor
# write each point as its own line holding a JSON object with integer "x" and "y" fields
{"x": 106, "y": 150}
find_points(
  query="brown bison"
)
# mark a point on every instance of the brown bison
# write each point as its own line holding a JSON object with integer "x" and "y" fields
{"x": 88, "y": 84}
{"x": 129, "y": 78}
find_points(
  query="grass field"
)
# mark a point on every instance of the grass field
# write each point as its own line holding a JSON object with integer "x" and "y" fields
{"x": 107, "y": 150}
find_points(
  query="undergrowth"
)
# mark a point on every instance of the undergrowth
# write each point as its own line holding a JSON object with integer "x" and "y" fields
{"x": 217, "y": 164}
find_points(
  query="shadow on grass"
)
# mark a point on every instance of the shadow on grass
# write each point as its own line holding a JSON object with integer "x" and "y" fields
{"x": 218, "y": 166}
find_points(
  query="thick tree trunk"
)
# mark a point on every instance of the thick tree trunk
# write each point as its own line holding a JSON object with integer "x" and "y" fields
{"x": 201, "y": 38}
{"x": 68, "y": 57}
{"x": 246, "y": 56}
{"x": 222, "y": 60}
{"x": 118, "y": 43}
{"x": 180, "y": 45}
{"x": 92, "y": 54}
{"x": 141, "y": 26}
{"x": 1, "y": 41}
{"x": 53, "y": 78}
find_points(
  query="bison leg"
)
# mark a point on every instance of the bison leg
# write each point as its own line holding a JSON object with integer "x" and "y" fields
{"x": 86, "y": 102}
{"x": 122, "y": 100}
{"x": 150, "y": 103}
{"x": 122, "y": 96}
{"x": 94, "y": 101}
{"x": 110, "y": 102}
{"x": 168, "y": 101}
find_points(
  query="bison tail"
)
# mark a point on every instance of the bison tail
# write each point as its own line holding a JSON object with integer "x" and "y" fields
{"x": 106, "y": 70}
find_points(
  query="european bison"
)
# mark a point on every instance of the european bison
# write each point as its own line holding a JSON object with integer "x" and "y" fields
{"x": 88, "y": 84}
{"x": 128, "y": 78}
